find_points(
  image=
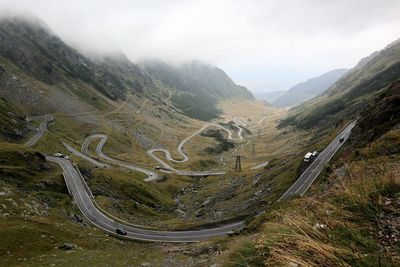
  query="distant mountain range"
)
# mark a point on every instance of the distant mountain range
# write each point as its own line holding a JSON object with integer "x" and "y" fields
{"x": 307, "y": 90}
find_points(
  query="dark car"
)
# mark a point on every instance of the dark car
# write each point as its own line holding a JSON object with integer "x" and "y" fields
{"x": 120, "y": 231}
{"x": 341, "y": 139}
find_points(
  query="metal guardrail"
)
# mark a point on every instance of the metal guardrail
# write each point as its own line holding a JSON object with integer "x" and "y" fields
{"x": 65, "y": 179}
{"x": 83, "y": 180}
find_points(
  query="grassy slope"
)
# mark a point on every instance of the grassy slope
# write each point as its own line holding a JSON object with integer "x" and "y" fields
{"x": 37, "y": 216}
{"x": 121, "y": 202}
{"x": 359, "y": 208}
{"x": 356, "y": 199}
{"x": 12, "y": 122}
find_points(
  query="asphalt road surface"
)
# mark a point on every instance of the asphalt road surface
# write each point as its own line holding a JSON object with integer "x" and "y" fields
{"x": 185, "y": 157}
{"x": 85, "y": 157}
{"x": 183, "y": 142}
{"x": 40, "y": 131}
{"x": 302, "y": 184}
{"x": 179, "y": 172}
{"x": 151, "y": 176}
{"x": 77, "y": 189}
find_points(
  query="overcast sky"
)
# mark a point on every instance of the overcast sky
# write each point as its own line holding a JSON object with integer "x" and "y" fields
{"x": 265, "y": 45}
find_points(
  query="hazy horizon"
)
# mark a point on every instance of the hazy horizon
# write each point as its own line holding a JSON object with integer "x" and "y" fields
{"x": 263, "y": 45}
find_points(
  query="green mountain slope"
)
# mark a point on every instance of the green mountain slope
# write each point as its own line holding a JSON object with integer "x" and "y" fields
{"x": 51, "y": 76}
{"x": 196, "y": 87}
{"x": 13, "y": 125}
{"x": 352, "y": 93}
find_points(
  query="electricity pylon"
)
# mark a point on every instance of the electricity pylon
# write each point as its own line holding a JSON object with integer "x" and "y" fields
{"x": 238, "y": 165}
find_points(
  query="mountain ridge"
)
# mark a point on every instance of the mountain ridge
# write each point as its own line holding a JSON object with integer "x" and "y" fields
{"x": 41, "y": 57}
{"x": 309, "y": 89}
{"x": 345, "y": 99}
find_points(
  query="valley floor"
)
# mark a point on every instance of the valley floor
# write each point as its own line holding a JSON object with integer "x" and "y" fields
{"x": 42, "y": 226}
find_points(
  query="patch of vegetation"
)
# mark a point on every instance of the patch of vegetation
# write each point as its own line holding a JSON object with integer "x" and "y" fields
{"x": 244, "y": 253}
{"x": 203, "y": 164}
{"x": 119, "y": 185}
{"x": 223, "y": 144}
{"x": 383, "y": 114}
{"x": 13, "y": 126}
{"x": 201, "y": 109}
{"x": 25, "y": 169}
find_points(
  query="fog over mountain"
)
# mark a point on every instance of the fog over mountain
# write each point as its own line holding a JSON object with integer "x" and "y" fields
{"x": 262, "y": 45}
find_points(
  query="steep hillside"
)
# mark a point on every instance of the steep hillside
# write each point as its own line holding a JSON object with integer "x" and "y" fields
{"x": 350, "y": 94}
{"x": 381, "y": 115}
{"x": 196, "y": 87}
{"x": 367, "y": 68}
{"x": 38, "y": 52}
{"x": 13, "y": 125}
{"x": 350, "y": 216}
{"x": 50, "y": 76}
{"x": 309, "y": 89}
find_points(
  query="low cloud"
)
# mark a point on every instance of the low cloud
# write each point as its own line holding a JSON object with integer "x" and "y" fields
{"x": 262, "y": 44}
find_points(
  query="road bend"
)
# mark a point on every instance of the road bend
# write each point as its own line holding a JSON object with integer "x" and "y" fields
{"x": 85, "y": 203}
{"x": 40, "y": 131}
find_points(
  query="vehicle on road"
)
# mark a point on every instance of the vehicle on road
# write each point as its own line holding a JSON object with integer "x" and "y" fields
{"x": 58, "y": 154}
{"x": 308, "y": 156}
{"x": 120, "y": 231}
{"x": 341, "y": 139}
{"x": 315, "y": 153}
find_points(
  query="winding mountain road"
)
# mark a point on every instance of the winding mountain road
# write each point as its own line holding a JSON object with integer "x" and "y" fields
{"x": 82, "y": 196}
{"x": 185, "y": 157}
{"x": 40, "y": 131}
{"x": 151, "y": 176}
{"x": 86, "y": 204}
{"x": 85, "y": 157}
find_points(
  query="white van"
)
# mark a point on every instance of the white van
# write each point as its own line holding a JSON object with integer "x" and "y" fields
{"x": 308, "y": 156}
